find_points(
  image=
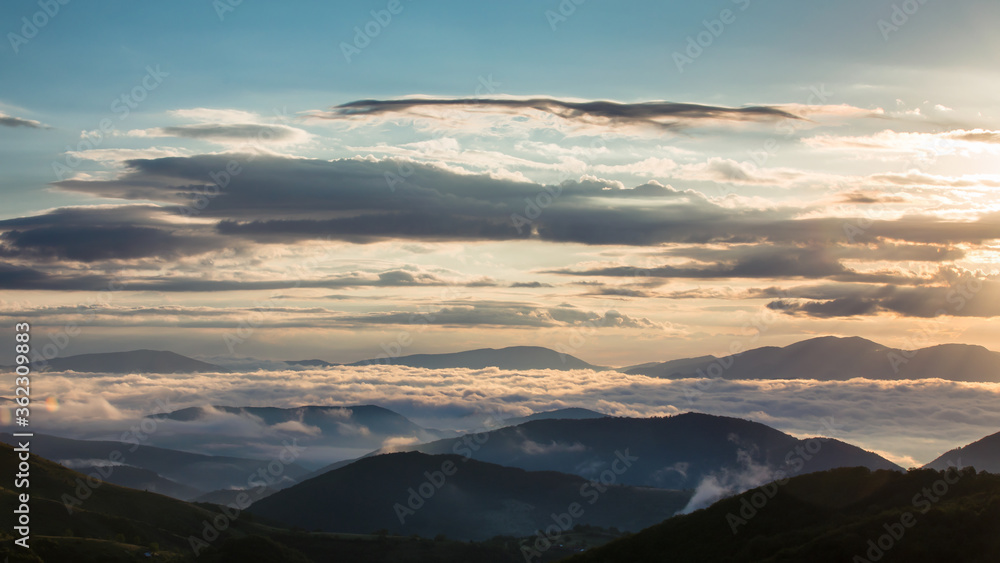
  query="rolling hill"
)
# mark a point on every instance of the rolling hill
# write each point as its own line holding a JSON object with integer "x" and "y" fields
{"x": 570, "y": 413}
{"x": 983, "y": 455}
{"x": 676, "y": 452}
{"x": 831, "y": 358}
{"x": 460, "y": 498}
{"x": 192, "y": 474}
{"x": 328, "y": 432}
{"x": 113, "y": 524}
{"x": 836, "y": 516}
{"x": 135, "y": 361}
{"x": 513, "y": 357}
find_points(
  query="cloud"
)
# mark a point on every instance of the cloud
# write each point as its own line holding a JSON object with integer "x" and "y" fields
{"x": 532, "y": 447}
{"x": 11, "y": 121}
{"x": 507, "y": 314}
{"x": 781, "y": 262}
{"x": 365, "y": 200}
{"x": 921, "y": 419}
{"x": 659, "y": 115}
{"x": 966, "y": 298}
{"x": 101, "y": 233}
{"x": 297, "y": 427}
{"x": 229, "y": 133}
{"x": 889, "y": 144}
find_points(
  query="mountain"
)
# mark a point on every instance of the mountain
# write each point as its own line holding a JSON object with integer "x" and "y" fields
{"x": 831, "y": 358}
{"x": 191, "y": 471}
{"x": 310, "y": 363}
{"x": 675, "y": 452}
{"x": 136, "y": 361}
{"x": 570, "y": 413}
{"x": 100, "y": 512}
{"x": 106, "y": 523}
{"x": 983, "y": 455}
{"x": 837, "y": 516}
{"x": 329, "y": 433}
{"x": 514, "y": 357}
{"x": 141, "y": 479}
{"x": 461, "y": 498}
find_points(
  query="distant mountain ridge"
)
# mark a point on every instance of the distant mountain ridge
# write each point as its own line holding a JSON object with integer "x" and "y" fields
{"x": 826, "y": 358}
{"x": 849, "y": 514}
{"x": 983, "y": 454}
{"x": 462, "y": 498}
{"x": 831, "y": 358}
{"x": 193, "y": 474}
{"x": 563, "y": 414}
{"x": 511, "y": 357}
{"x": 675, "y": 452}
{"x": 135, "y": 361}
{"x": 328, "y": 433}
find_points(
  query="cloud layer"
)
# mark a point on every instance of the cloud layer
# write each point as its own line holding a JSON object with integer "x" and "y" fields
{"x": 910, "y": 422}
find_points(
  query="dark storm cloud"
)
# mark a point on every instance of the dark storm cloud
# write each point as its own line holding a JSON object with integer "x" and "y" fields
{"x": 533, "y": 284}
{"x": 756, "y": 262}
{"x": 20, "y": 277}
{"x": 620, "y": 292}
{"x": 11, "y": 121}
{"x": 976, "y": 136}
{"x": 867, "y": 197}
{"x": 17, "y": 277}
{"x": 231, "y": 132}
{"x": 667, "y": 115}
{"x": 93, "y": 234}
{"x": 963, "y": 297}
{"x": 277, "y": 199}
{"x": 505, "y": 314}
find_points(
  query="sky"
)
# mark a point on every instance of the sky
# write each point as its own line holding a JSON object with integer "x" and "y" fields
{"x": 626, "y": 182}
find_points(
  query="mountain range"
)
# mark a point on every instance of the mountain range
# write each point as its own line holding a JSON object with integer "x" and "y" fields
{"x": 174, "y": 473}
{"x": 831, "y": 500}
{"x": 414, "y": 493}
{"x": 134, "y": 361}
{"x": 849, "y": 514}
{"x": 831, "y": 358}
{"x": 512, "y": 357}
{"x": 983, "y": 454}
{"x": 675, "y": 452}
{"x": 826, "y": 358}
{"x": 327, "y": 432}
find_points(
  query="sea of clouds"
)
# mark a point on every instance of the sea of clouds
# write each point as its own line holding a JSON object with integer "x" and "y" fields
{"x": 909, "y": 422}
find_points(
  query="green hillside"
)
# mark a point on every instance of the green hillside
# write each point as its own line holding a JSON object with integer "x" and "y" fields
{"x": 831, "y": 517}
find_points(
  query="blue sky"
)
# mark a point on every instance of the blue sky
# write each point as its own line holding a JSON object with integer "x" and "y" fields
{"x": 865, "y": 107}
